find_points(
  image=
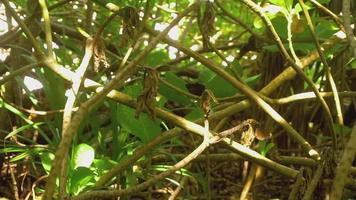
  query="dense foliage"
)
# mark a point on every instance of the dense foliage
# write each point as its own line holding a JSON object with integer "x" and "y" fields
{"x": 163, "y": 99}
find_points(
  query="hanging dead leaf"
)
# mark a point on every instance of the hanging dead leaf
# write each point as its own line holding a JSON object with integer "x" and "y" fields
{"x": 247, "y": 136}
{"x": 205, "y": 99}
{"x": 297, "y": 25}
{"x": 99, "y": 56}
{"x": 130, "y": 23}
{"x": 146, "y": 100}
{"x": 207, "y": 23}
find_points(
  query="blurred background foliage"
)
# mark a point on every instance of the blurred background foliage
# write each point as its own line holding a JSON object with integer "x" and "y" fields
{"x": 32, "y": 101}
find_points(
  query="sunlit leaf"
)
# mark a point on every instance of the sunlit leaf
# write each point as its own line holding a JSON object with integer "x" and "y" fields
{"x": 46, "y": 161}
{"x": 170, "y": 93}
{"x": 83, "y": 155}
{"x": 80, "y": 178}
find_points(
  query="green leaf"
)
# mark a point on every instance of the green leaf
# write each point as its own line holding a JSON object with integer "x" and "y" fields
{"x": 342, "y": 129}
{"x": 15, "y": 111}
{"x": 26, "y": 153}
{"x": 195, "y": 114}
{"x": 102, "y": 165}
{"x": 22, "y": 128}
{"x": 283, "y": 3}
{"x": 352, "y": 63}
{"x": 265, "y": 146}
{"x": 14, "y": 149}
{"x": 252, "y": 80}
{"x": 171, "y": 94}
{"x": 325, "y": 29}
{"x": 142, "y": 127}
{"x": 83, "y": 156}
{"x": 46, "y": 161}
{"x": 163, "y": 168}
{"x": 215, "y": 83}
{"x": 81, "y": 178}
{"x": 156, "y": 58}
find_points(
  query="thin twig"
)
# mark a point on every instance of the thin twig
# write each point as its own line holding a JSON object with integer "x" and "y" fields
{"x": 177, "y": 89}
{"x": 296, "y": 66}
{"x": 347, "y": 24}
{"x": 326, "y": 65}
{"x": 344, "y": 166}
{"x": 296, "y": 186}
{"x": 14, "y": 183}
{"x": 248, "y": 183}
{"x": 308, "y": 195}
{"x": 181, "y": 185}
{"x": 336, "y": 18}
{"x": 47, "y": 25}
{"x": 17, "y": 72}
{"x": 238, "y": 21}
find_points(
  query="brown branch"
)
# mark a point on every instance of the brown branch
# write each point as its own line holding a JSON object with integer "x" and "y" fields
{"x": 326, "y": 65}
{"x": 308, "y": 195}
{"x": 344, "y": 166}
{"x": 347, "y": 24}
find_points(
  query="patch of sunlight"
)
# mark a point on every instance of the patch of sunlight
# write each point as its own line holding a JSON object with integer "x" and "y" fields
{"x": 194, "y": 47}
{"x": 76, "y": 60}
{"x": 32, "y": 84}
{"x": 172, "y": 4}
{"x": 141, "y": 14}
{"x": 224, "y": 63}
{"x": 230, "y": 58}
{"x": 172, "y": 52}
{"x": 95, "y": 14}
{"x": 84, "y": 155}
{"x": 340, "y": 34}
{"x": 173, "y": 15}
{"x": 4, "y": 53}
{"x": 273, "y": 9}
{"x": 161, "y": 46}
{"x": 253, "y": 57}
{"x": 173, "y": 33}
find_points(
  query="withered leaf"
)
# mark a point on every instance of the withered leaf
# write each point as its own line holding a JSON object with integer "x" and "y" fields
{"x": 205, "y": 99}
{"x": 207, "y": 23}
{"x": 130, "y": 23}
{"x": 146, "y": 100}
{"x": 99, "y": 56}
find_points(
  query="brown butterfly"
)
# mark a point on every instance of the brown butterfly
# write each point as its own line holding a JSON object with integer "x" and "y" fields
{"x": 259, "y": 133}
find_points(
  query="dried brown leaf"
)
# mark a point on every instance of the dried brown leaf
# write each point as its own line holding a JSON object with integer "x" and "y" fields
{"x": 147, "y": 98}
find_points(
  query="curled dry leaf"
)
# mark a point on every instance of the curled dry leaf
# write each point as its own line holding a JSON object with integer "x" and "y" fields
{"x": 207, "y": 23}
{"x": 99, "y": 56}
{"x": 205, "y": 98}
{"x": 146, "y": 100}
{"x": 130, "y": 23}
{"x": 253, "y": 131}
{"x": 297, "y": 24}
{"x": 247, "y": 136}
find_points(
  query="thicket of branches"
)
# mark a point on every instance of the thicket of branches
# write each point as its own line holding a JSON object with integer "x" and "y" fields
{"x": 177, "y": 99}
